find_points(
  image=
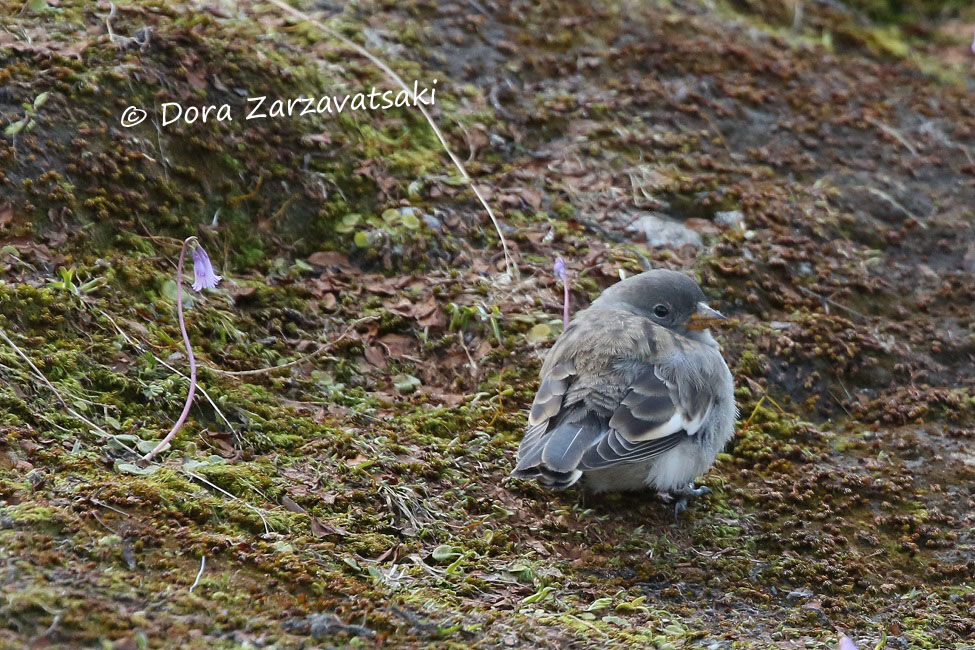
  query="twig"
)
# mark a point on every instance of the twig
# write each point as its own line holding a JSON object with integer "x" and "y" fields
{"x": 99, "y": 520}
{"x": 832, "y": 302}
{"x": 758, "y": 404}
{"x": 189, "y": 355}
{"x": 765, "y": 396}
{"x": 473, "y": 365}
{"x": 112, "y": 508}
{"x": 162, "y": 154}
{"x": 203, "y": 563}
{"x": 894, "y": 133}
{"x": 509, "y": 266}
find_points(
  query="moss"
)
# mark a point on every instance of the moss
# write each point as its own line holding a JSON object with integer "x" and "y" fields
{"x": 388, "y": 481}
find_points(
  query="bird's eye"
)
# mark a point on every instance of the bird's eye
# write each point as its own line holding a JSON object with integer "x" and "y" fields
{"x": 661, "y": 311}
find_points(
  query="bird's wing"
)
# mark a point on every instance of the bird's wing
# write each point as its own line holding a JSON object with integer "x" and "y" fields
{"x": 658, "y": 409}
{"x": 653, "y": 417}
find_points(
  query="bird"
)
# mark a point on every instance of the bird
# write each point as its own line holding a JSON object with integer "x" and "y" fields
{"x": 634, "y": 394}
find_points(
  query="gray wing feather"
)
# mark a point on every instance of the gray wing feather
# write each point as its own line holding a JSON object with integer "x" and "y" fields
{"x": 548, "y": 399}
{"x": 613, "y": 449}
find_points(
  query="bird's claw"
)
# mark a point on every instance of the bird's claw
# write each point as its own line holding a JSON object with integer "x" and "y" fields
{"x": 698, "y": 491}
{"x": 685, "y": 495}
{"x": 679, "y": 506}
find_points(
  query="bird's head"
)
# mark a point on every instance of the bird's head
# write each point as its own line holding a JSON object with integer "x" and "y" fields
{"x": 668, "y": 298}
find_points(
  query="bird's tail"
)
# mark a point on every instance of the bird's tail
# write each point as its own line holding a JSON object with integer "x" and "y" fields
{"x": 552, "y": 458}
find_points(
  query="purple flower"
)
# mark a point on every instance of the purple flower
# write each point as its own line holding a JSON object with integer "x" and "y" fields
{"x": 204, "y": 277}
{"x": 847, "y": 644}
{"x": 559, "y": 269}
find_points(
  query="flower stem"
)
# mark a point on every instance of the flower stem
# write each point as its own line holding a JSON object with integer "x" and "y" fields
{"x": 189, "y": 354}
{"x": 565, "y": 301}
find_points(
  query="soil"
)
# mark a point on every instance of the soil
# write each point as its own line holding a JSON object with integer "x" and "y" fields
{"x": 367, "y": 362}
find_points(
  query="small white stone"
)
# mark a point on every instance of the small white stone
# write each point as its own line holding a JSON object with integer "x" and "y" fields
{"x": 662, "y": 232}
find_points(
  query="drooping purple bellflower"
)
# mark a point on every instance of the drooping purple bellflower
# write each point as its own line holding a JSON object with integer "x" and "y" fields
{"x": 204, "y": 278}
{"x": 203, "y": 275}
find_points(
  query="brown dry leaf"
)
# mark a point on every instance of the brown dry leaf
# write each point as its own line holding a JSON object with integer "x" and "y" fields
{"x": 76, "y": 49}
{"x": 224, "y": 443}
{"x": 375, "y": 355}
{"x": 451, "y": 399}
{"x": 56, "y": 238}
{"x": 329, "y": 301}
{"x": 510, "y": 200}
{"x": 435, "y": 320}
{"x": 289, "y": 504}
{"x": 397, "y": 346}
{"x": 539, "y": 548}
{"x": 380, "y": 287}
{"x": 330, "y": 259}
{"x": 321, "y": 528}
{"x": 358, "y": 460}
{"x": 238, "y": 292}
{"x": 532, "y": 197}
{"x": 477, "y": 139}
{"x": 137, "y": 327}
{"x": 403, "y": 307}
{"x": 482, "y": 350}
{"x": 703, "y": 226}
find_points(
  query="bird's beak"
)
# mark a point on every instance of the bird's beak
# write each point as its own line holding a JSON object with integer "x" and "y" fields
{"x": 705, "y": 317}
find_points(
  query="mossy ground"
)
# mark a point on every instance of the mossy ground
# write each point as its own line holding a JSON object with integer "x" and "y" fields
{"x": 359, "y": 496}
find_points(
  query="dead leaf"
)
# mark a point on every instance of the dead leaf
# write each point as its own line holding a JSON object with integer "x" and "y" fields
{"x": 327, "y": 259}
{"x": 532, "y": 197}
{"x": 403, "y": 307}
{"x": 290, "y": 505}
{"x": 321, "y": 528}
{"x": 482, "y": 350}
{"x": 375, "y": 355}
{"x": 539, "y": 548}
{"x": 477, "y": 139}
{"x": 239, "y": 293}
{"x": 429, "y": 314}
{"x": 358, "y": 460}
{"x": 397, "y": 346}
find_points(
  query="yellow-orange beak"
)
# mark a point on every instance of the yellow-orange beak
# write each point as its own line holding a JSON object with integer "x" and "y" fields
{"x": 705, "y": 317}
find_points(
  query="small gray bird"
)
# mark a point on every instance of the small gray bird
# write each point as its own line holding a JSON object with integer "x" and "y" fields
{"x": 634, "y": 393}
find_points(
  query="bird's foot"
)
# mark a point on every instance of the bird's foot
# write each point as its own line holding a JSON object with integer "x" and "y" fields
{"x": 697, "y": 491}
{"x": 684, "y": 496}
{"x": 679, "y": 507}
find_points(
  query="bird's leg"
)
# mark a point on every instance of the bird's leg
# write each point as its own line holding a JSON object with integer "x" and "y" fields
{"x": 685, "y": 495}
